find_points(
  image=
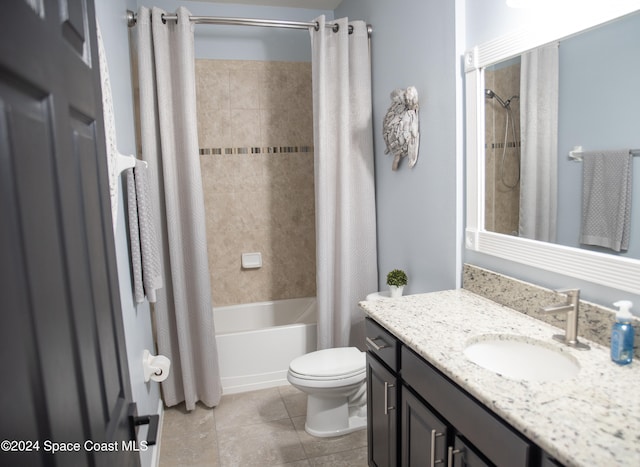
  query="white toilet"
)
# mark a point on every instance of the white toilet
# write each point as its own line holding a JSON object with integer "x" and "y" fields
{"x": 336, "y": 387}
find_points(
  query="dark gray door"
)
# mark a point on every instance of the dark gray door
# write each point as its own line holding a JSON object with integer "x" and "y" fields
{"x": 64, "y": 369}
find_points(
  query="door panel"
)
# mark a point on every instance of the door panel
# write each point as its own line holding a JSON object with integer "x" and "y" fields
{"x": 23, "y": 398}
{"x": 73, "y": 23}
{"x": 29, "y": 157}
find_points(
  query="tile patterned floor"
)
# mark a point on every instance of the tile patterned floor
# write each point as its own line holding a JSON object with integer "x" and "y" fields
{"x": 260, "y": 428}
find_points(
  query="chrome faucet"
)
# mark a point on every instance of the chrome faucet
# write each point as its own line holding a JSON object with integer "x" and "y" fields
{"x": 570, "y": 307}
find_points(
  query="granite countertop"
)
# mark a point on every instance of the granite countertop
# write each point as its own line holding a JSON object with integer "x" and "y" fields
{"x": 590, "y": 419}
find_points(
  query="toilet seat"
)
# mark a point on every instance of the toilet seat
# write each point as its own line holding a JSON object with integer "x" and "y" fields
{"x": 329, "y": 364}
{"x": 356, "y": 376}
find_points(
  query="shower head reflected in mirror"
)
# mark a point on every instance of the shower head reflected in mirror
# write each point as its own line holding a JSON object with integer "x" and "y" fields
{"x": 509, "y": 125}
{"x": 492, "y": 95}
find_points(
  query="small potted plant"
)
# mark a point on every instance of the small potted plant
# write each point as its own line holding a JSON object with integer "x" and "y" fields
{"x": 396, "y": 280}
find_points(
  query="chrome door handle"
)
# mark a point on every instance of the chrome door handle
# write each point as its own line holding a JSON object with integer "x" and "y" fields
{"x": 452, "y": 452}
{"x": 386, "y": 397}
{"x": 434, "y": 435}
{"x": 375, "y": 346}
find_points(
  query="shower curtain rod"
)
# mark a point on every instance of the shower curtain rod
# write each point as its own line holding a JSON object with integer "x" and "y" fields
{"x": 269, "y": 23}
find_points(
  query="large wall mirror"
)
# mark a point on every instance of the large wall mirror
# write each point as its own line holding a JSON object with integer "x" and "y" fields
{"x": 533, "y": 98}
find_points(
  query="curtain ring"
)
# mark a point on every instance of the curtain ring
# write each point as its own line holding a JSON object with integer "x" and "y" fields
{"x": 164, "y": 21}
{"x": 317, "y": 26}
{"x": 335, "y": 27}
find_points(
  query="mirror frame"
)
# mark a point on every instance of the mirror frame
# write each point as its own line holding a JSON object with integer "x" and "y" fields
{"x": 609, "y": 270}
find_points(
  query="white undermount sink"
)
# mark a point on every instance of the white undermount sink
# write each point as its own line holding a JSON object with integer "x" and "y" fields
{"x": 521, "y": 358}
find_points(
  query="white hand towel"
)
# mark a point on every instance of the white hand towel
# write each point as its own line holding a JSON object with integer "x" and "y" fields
{"x": 606, "y": 199}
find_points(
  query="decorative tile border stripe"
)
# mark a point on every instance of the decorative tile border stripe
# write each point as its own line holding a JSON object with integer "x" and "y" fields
{"x": 510, "y": 144}
{"x": 255, "y": 150}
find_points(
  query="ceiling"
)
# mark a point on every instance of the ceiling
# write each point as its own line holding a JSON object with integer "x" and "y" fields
{"x": 309, "y": 4}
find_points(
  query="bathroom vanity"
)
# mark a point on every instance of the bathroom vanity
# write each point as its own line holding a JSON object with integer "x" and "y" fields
{"x": 428, "y": 404}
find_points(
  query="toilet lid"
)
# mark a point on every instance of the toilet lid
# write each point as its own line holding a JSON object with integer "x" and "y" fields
{"x": 340, "y": 361}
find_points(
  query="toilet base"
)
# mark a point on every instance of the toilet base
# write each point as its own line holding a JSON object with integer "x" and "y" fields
{"x": 332, "y": 416}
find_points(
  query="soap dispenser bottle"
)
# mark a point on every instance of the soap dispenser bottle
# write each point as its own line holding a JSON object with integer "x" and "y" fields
{"x": 622, "y": 334}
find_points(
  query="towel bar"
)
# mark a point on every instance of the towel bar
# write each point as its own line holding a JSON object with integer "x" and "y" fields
{"x": 126, "y": 162}
{"x": 576, "y": 153}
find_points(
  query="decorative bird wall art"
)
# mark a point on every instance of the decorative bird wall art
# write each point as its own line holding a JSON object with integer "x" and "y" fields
{"x": 400, "y": 128}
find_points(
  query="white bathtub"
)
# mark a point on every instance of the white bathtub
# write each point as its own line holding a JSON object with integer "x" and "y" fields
{"x": 256, "y": 341}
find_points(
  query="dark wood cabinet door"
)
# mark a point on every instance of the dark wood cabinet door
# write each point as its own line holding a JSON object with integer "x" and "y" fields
{"x": 382, "y": 413}
{"x": 548, "y": 461}
{"x": 424, "y": 434}
{"x": 464, "y": 455}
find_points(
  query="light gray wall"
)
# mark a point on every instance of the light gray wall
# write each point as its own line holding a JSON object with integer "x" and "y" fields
{"x": 487, "y": 20}
{"x": 414, "y": 44}
{"x": 137, "y": 319}
{"x": 598, "y": 109}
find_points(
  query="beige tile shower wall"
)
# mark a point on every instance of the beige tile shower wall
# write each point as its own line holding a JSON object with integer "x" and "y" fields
{"x": 255, "y": 130}
{"x": 502, "y": 201}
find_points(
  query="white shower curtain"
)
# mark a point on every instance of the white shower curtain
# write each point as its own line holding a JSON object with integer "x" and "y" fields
{"x": 168, "y": 127}
{"x": 344, "y": 181}
{"x": 539, "y": 143}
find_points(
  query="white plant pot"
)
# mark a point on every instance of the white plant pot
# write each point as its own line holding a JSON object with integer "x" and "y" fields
{"x": 395, "y": 291}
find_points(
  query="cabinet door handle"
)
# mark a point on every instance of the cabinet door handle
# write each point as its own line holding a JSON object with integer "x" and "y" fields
{"x": 434, "y": 435}
{"x": 452, "y": 452}
{"x": 386, "y": 397}
{"x": 373, "y": 344}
